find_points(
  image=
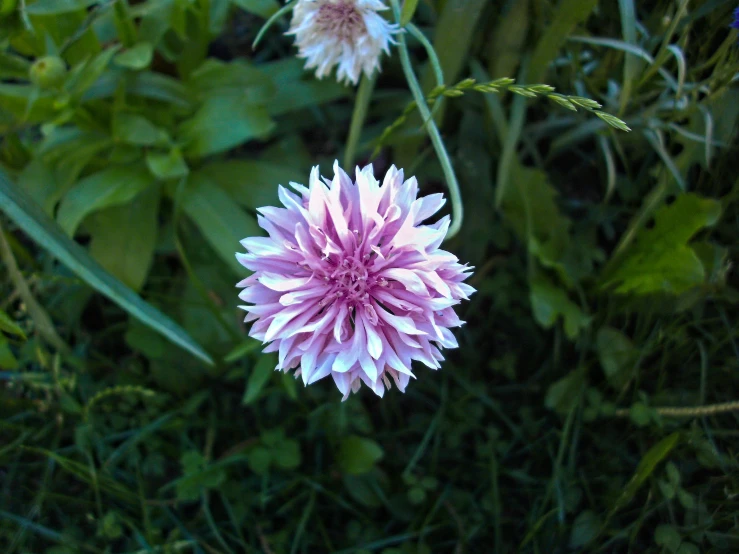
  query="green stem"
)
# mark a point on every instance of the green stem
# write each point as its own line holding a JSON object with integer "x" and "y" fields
{"x": 433, "y": 131}
{"x": 361, "y": 103}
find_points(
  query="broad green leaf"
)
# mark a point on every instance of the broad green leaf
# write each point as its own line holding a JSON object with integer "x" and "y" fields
{"x": 13, "y": 66}
{"x": 568, "y": 14}
{"x": 646, "y": 467}
{"x": 617, "y": 356}
{"x": 221, "y": 221}
{"x": 136, "y": 129}
{"x": 41, "y": 228}
{"x": 53, "y": 7}
{"x": 259, "y": 460}
{"x": 10, "y": 326}
{"x": 260, "y": 374}
{"x": 660, "y": 259}
{"x": 124, "y": 238}
{"x": 137, "y": 57}
{"x": 262, "y": 8}
{"x": 358, "y": 455}
{"x": 110, "y": 187}
{"x": 550, "y": 302}
{"x": 39, "y": 182}
{"x": 169, "y": 165}
{"x": 252, "y": 183}
{"x": 214, "y": 75}
{"x": 563, "y": 394}
{"x": 224, "y": 121}
{"x": 585, "y": 529}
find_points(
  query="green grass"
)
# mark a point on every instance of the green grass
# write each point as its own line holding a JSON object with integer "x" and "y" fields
{"x": 591, "y": 406}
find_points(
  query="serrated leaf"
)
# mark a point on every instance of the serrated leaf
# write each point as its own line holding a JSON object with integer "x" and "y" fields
{"x": 260, "y": 375}
{"x": 41, "y": 228}
{"x": 358, "y": 455}
{"x": 110, "y": 187}
{"x": 668, "y": 537}
{"x": 660, "y": 259}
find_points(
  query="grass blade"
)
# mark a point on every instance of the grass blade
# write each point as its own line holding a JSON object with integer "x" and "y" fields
{"x": 32, "y": 219}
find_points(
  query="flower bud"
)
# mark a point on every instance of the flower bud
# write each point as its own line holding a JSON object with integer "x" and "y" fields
{"x": 48, "y": 72}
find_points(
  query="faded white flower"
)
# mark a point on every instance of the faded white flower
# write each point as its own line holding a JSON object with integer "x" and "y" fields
{"x": 349, "y": 34}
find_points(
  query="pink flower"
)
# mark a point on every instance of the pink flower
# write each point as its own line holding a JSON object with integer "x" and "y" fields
{"x": 349, "y": 282}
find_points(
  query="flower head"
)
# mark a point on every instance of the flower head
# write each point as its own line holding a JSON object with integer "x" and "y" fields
{"x": 735, "y": 24}
{"x": 350, "y": 283}
{"x": 347, "y": 33}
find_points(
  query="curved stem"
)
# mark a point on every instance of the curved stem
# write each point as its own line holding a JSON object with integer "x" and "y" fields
{"x": 433, "y": 131}
{"x": 361, "y": 103}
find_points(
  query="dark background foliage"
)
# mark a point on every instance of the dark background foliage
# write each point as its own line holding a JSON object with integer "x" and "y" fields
{"x": 591, "y": 405}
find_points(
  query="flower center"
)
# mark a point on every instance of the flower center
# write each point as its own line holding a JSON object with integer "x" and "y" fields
{"x": 350, "y": 280}
{"x": 341, "y": 19}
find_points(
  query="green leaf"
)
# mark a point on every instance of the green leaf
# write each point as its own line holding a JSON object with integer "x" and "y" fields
{"x": 169, "y": 165}
{"x": 406, "y": 13}
{"x": 660, "y": 259}
{"x": 252, "y": 183}
{"x": 198, "y": 476}
{"x": 295, "y": 89}
{"x": 124, "y": 238}
{"x": 668, "y": 537}
{"x": 259, "y": 460}
{"x": 563, "y": 394}
{"x": 53, "y": 7}
{"x": 531, "y": 208}
{"x": 260, "y": 374}
{"x": 110, "y": 187}
{"x": 286, "y": 454}
{"x": 136, "y": 129}
{"x": 9, "y": 326}
{"x": 262, "y": 8}
{"x": 41, "y": 228}
{"x": 549, "y": 302}
{"x": 617, "y": 356}
{"x": 246, "y": 347}
{"x": 39, "y": 182}
{"x": 82, "y": 79}
{"x": 221, "y": 221}
{"x": 216, "y": 76}
{"x": 225, "y": 120}
{"x": 646, "y": 467}
{"x": 585, "y": 529}
{"x": 137, "y": 57}
{"x": 358, "y": 455}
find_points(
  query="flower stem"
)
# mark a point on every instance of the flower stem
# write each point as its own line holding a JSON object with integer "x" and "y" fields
{"x": 361, "y": 103}
{"x": 433, "y": 131}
